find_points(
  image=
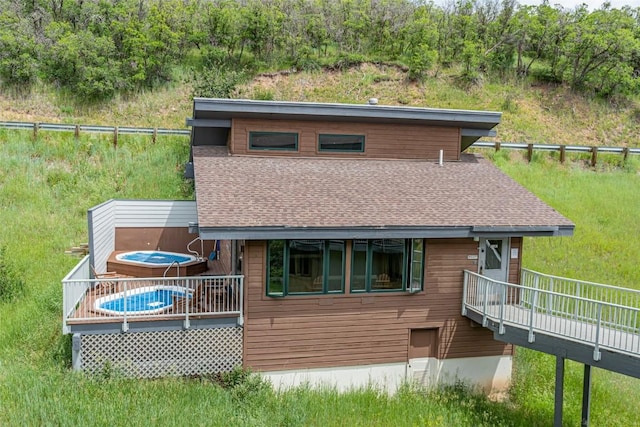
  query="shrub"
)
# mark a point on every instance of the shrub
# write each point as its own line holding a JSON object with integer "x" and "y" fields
{"x": 216, "y": 82}
{"x": 11, "y": 283}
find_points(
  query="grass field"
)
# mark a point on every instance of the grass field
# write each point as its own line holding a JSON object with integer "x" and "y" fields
{"x": 46, "y": 187}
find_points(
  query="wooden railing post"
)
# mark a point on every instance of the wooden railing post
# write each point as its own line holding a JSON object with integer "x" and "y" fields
{"x": 530, "y": 152}
{"x": 563, "y": 153}
{"x": 594, "y": 156}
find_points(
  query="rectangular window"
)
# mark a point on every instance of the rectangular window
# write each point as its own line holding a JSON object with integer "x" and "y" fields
{"x": 281, "y": 141}
{"x": 387, "y": 265}
{"x": 275, "y": 267}
{"x": 341, "y": 143}
{"x": 416, "y": 265}
{"x": 300, "y": 267}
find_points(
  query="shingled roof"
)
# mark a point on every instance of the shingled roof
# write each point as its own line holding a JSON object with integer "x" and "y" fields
{"x": 250, "y": 197}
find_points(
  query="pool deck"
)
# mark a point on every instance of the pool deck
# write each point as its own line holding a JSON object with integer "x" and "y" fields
{"x": 212, "y": 302}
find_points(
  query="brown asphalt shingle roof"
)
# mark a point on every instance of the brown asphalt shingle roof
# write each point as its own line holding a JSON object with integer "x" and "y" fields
{"x": 250, "y": 191}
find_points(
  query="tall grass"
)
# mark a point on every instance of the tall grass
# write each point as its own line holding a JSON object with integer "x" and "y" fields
{"x": 46, "y": 187}
{"x": 605, "y": 207}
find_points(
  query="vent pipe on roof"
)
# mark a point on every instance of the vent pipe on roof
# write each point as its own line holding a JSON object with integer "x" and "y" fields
{"x": 440, "y": 162}
{"x": 372, "y": 101}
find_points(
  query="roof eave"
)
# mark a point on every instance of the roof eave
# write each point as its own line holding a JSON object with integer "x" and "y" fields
{"x": 281, "y": 232}
{"x": 229, "y": 108}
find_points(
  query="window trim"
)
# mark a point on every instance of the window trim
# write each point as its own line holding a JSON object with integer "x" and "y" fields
{"x": 407, "y": 260}
{"x": 252, "y": 133}
{"x": 329, "y": 150}
{"x": 326, "y": 264}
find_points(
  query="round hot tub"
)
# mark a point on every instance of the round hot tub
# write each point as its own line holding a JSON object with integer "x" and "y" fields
{"x": 155, "y": 258}
{"x": 155, "y": 264}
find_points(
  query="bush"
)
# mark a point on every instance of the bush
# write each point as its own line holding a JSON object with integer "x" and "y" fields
{"x": 11, "y": 284}
{"x": 216, "y": 82}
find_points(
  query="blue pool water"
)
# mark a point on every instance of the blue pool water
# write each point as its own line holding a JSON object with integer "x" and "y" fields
{"x": 152, "y": 257}
{"x": 143, "y": 302}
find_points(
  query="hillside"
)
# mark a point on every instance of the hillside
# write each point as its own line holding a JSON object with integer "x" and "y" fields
{"x": 531, "y": 113}
{"x": 47, "y": 185}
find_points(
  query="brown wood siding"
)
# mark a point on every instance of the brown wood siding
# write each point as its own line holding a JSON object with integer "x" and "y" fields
{"x": 381, "y": 140}
{"x": 515, "y": 263}
{"x": 357, "y": 329}
{"x": 171, "y": 239}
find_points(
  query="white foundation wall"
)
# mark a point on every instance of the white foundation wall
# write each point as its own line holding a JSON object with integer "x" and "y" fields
{"x": 385, "y": 376}
{"x": 491, "y": 374}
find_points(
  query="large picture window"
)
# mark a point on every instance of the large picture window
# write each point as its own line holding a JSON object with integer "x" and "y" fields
{"x": 298, "y": 267}
{"x": 341, "y": 143}
{"x": 387, "y": 265}
{"x": 280, "y": 141}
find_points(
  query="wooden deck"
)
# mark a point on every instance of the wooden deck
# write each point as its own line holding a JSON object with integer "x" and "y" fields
{"x": 209, "y": 300}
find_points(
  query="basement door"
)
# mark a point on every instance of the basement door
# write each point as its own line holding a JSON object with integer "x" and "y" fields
{"x": 494, "y": 258}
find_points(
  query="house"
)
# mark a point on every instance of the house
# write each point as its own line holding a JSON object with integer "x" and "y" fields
{"x": 335, "y": 239}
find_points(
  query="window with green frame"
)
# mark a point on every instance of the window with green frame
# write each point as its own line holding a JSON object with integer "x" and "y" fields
{"x": 301, "y": 267}
{"x": 380, "y": 265}
{"x": 341, "y": 143}
{"x": 280, "y": 141}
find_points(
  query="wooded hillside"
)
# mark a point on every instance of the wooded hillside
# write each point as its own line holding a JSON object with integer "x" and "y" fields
{"x": 95, "y": 49}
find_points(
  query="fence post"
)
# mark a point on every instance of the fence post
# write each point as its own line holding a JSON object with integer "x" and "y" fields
{"x": 125, "y": 325}
{"x": 596, "y": 349}
{"x": 465, "y": 284}
{"x": 625, "y": 154}
{"x": 530, "y": 152}
{"x": 187, "y": 321}
{"x": 36, "y": 126}
{"x": 497, "y": 145}
{"x": 594, "y": 156}
{"x": 563, "y": 153}
{"x": 115, "y": 137}
{"x": 154, "y": 135}
{"x": 486, "y": 297}
{"x": 240, "y": 282}
{"x": 503, "y": 301}
{"x": 76, "y": 132}
{"x": 532, "y": 337}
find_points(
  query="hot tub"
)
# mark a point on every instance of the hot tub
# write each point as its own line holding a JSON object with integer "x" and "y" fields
{"x": 155, "y": 264}
{"x": 155, "y": 258}
{"x": 140, "y": 301}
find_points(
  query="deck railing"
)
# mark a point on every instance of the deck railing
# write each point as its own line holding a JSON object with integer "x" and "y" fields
{"x": 113, "y": 299}
{"x": 599, "y": 323}
{"x": 580, "y": 288}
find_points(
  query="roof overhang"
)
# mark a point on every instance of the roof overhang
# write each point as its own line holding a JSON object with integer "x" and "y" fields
{"x": 398, "y": 232}
{"x": 215, "y": 112}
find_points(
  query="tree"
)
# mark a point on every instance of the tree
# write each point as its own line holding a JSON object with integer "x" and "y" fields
{"x": 18, "y": 54}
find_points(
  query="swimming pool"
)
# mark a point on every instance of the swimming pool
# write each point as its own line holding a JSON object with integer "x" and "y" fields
{"x": 155, "y": 258}
{"x": 140, "y": 301}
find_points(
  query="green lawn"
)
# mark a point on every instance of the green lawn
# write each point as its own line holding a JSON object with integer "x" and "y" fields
{"x": 47, "y": 185}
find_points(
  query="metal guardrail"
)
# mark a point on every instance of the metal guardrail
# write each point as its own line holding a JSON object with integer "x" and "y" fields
{"x": 77, "y": 129}
{"x": 600, "y": 324}
{"x": 554, "y": 147}
{"x": 530, "y": 148}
